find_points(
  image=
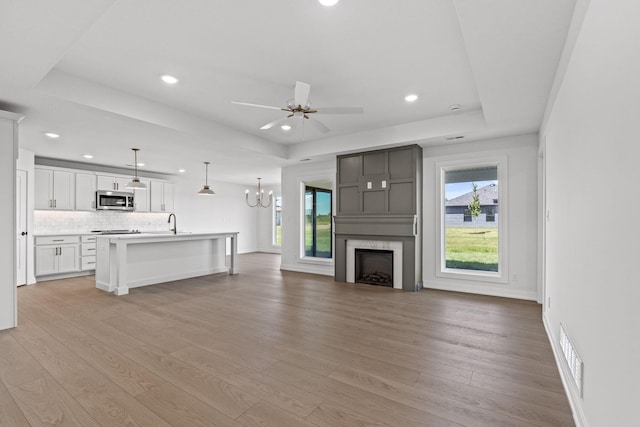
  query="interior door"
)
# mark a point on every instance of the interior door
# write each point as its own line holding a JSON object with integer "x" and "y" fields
{"x": 21, "y": 227}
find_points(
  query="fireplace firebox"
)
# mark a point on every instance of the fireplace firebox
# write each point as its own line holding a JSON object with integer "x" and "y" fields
{"x": 374, "y": 267}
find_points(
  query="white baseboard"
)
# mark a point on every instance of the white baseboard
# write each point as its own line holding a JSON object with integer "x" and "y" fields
{"x": 178, "y": 276}
{"x": 567, "y": 381}
{"x": 309, "y": 268}
{"x": 64, "y": 276}
{"x": 482, "y": 290}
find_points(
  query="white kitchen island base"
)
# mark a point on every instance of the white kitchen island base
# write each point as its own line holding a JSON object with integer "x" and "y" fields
{"x": 133, "y": 260}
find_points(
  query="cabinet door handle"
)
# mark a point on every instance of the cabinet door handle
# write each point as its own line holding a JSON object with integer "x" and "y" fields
{"x": 60, "y": 251}
{"x": 55, "y": 203}
{"x": 91, "y": 262}
{"x": 58, "y": 240}
{"x": 91, "y": 249}
{"x": 50, "y": 203}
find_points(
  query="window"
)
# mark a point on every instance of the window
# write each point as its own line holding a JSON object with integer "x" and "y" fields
{"x": 317, "y": 223}
{"x": 277, "y": 221}
{"x": 471, "y": 243}
{"x": 491, "y": 213}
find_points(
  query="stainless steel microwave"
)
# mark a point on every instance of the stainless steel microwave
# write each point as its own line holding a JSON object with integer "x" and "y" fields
{"x": 114, "y": 200}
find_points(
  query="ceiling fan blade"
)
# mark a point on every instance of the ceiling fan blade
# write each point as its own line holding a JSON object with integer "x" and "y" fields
{"x": 301, "y": 96}
{"x": 318, "y": 125}
{"x": 275, "y": 123}
{"x": 248, "y": 104}
{"x": 340, "y": 110}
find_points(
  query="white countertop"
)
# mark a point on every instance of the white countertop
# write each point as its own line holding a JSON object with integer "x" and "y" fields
{"x": 164, "y": 236}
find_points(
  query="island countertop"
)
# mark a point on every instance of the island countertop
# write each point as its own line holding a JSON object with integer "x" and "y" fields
{"x": 127, "y": 261}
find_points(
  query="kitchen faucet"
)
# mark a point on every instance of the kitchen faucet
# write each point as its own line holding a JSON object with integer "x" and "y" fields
{"x": 175, "y": 223}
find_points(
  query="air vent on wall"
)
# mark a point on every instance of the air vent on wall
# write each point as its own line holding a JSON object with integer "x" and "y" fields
{"x": 573, "y": 360}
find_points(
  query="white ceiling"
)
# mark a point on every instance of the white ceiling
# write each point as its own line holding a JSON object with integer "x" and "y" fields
{"x": 89, "y": 70}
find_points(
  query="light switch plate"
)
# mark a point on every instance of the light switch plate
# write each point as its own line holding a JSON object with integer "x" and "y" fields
{"x": 384, "y": 184}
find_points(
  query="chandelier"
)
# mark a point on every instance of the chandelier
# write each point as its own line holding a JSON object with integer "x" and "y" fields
{"x": 260, "y": 202}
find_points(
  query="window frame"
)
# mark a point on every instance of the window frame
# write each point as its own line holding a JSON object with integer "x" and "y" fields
{"x": 502, "y": 275}
{"x": 315, "y": 191}
{"x": 274, "y": 225}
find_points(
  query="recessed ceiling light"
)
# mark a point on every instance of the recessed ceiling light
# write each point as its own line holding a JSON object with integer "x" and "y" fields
{"x": 140, "y": 165}
{"x": 88, "y": 156}
{"x": 169, "y": 79}
{"x": 411, "y": 98}
{"x": 52, "y": 135}
{"x": 455, "y": 107}
{"x": 182, "y": 170}
{"x": 328, "y": 2}
{"x": 285, "y": 127}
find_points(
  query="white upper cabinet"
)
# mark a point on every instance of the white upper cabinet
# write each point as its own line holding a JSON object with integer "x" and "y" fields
{"x": 161, "y": 196}
{"x": 85, "y": 192}
{"x": 54, "y": 189}
{"x": 142, "y": 197}
{"x": 113, "y": 183}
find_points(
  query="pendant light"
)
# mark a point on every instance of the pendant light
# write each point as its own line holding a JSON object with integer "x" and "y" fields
{"x": 135, "y": 183}
{"x": 259, "y": 197}
{"x": 206, "y": 191}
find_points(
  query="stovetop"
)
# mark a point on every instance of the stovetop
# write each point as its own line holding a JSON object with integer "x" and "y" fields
{"x": 116, "y": 231}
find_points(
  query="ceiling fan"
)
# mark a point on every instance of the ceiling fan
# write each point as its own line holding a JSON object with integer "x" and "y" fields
{"x": 300, "y": 107}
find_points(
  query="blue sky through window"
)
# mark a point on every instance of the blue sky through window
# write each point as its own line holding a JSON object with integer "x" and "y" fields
{"x": 455, "y": 189}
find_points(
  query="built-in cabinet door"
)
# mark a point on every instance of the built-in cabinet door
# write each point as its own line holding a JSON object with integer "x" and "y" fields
{"x": 161, "y": 196}
{"x": 63, "y": 190}
{"x": 54, "y": 189}
{"x": 43, "y": 183}
{"x": 46, "y": 260}
{"x": 168, "y": 197}
{"x": 85, "y": 192}
{"x": 68, "y": 258}
{"x": 142, "y": 197}
{"x": 113, "y": 183}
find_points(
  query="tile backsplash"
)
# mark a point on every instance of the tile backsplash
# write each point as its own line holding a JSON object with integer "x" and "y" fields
{"x": 51, "y": 222}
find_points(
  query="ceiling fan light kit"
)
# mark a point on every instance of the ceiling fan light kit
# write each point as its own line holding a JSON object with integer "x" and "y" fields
{"x": 299, "y": 107}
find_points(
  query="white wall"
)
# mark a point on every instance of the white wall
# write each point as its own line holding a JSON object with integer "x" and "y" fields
{"x": 265, "y": 221}
{"x": 8, "y": 156}
{"x": 521, "y": 205}
{"x": 593, "y": 197}
{"x": 293, "y": 178}
{"x": 224, "y": 211}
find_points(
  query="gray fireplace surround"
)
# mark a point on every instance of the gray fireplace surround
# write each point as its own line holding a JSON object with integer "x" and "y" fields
{"x": 380, "y": 200}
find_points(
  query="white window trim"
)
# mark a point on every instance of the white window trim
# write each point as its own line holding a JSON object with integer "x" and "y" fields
{"x": 502, "y": 275}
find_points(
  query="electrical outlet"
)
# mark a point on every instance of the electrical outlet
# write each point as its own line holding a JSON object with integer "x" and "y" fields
{"x": 369, "y": 185}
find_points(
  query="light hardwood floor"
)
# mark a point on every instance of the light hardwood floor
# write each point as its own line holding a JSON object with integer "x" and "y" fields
{"x": 266, "y": 347}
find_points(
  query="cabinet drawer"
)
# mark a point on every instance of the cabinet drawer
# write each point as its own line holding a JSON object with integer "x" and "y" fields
{"x": 88, "y": 263}
{"x": 56, "y": 240}
{"x": 88, "y": 239}
{"x": 88, "y": 249}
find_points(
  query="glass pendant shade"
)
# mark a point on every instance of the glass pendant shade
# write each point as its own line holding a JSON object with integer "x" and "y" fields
{"x": 135, "y": 183}
{"x": 206, "y": 191}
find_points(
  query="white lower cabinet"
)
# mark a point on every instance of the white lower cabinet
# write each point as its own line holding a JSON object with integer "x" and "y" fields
{"x": 57, "y": 254}
{"x": 88, "y": 253}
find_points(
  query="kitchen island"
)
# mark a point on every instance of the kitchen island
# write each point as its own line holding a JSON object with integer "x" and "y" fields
{"x": 133, "y": 260}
